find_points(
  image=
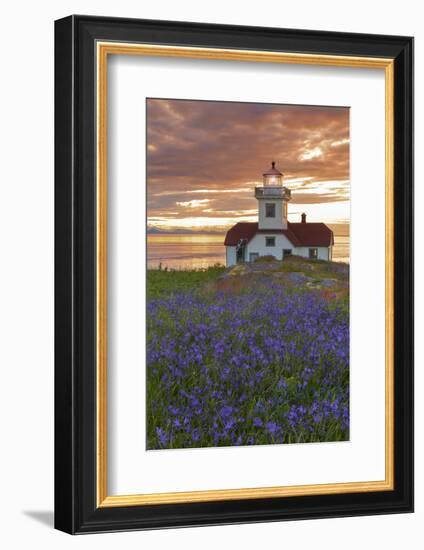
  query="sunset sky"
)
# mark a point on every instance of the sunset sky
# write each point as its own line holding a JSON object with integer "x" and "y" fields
{"x": 204, "y": 159}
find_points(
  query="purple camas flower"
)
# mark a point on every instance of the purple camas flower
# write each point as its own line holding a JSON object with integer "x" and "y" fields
{"x": 162, "y": 437}
{"x": 226, "y": 411}
{"x": 272, "y": 427}
{"x": 282, "y": 384}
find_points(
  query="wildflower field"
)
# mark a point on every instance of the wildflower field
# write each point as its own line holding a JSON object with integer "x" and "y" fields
{"x": 248, "y": 358}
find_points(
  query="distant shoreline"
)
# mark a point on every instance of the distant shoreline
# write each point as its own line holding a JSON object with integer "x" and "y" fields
{"x": 339, "y": 229}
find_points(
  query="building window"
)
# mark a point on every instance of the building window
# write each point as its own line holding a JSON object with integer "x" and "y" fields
{"x": 287, "y": 252}
{"x": 269, "y": 210}
{"x": 269, "y": 241}
{"x": 313, "y": 253}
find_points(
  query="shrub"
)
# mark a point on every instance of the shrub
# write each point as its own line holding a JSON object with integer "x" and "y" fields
{"x": 267, "y": 258}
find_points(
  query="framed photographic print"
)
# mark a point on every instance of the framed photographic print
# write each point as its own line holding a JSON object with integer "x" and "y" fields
{"x": 234, "y": 268}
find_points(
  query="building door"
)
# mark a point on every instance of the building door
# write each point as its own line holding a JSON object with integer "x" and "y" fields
{"x": 241, "y": 252}
{"x": 286, "y": 252}
{"x": 253, "y": 256}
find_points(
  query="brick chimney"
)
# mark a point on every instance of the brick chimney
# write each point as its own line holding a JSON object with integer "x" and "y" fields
{"x": 304, "y": 218}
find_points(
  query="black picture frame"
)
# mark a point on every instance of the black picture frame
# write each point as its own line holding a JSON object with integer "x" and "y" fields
{"x": 76, "y": 510}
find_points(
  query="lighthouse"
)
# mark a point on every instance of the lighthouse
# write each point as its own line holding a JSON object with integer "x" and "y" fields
{"x": 273, "y": 235}
{"x": 272, "y": 199}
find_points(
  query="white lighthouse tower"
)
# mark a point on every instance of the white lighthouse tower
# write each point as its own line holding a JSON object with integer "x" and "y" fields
{"x": 272, "y": 199}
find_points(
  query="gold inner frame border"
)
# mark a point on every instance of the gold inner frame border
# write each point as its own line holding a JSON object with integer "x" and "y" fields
{"x": 103, "y": 50}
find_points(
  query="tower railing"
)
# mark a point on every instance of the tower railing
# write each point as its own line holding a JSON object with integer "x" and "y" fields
{"x": 272, "y": 192}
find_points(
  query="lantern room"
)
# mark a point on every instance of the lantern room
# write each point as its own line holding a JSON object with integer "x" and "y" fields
{"x": 273, "y": 177}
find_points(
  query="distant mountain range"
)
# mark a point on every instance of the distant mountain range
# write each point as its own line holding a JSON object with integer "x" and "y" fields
{"x": 157, "y": 231}
{"x": 340, "y": 229}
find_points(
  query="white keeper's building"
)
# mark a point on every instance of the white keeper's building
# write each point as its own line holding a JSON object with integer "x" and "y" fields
{"x": 273, "y": 234}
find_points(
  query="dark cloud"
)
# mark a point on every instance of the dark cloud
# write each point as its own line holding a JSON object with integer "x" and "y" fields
{"x": 197, "y": 147}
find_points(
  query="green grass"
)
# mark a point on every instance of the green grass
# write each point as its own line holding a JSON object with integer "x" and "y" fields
{"x": 161, "y": 282}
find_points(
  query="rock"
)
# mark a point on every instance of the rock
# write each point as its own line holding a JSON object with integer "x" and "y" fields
{"x": 237, "y": 270}
{"x": 262, "y": 267}
{"x": 329, "y": 282}
{"x": 298, "y": 277}
{"x": 324, "y": 283}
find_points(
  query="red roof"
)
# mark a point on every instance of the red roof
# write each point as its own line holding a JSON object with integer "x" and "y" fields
{"x": 242, "y": 230}
{"x": 299, "y": 234}
{"x": 312, "y": 234}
